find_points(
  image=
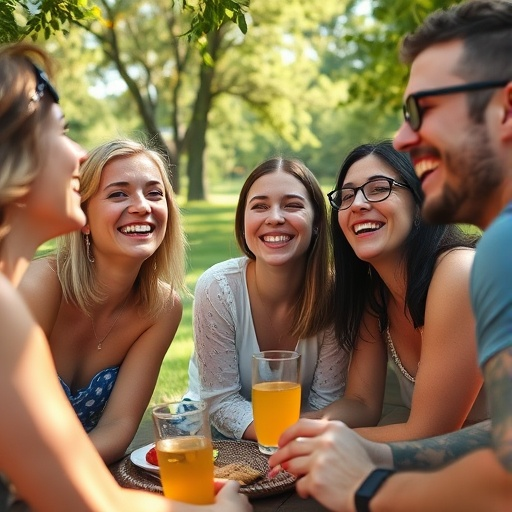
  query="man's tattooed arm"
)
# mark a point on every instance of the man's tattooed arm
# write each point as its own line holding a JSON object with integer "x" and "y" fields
{"x": 438, "y": 451}
{"x": 498, "y": 384}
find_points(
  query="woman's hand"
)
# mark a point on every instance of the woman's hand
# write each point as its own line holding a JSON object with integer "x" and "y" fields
{"x": 228, "y": 499}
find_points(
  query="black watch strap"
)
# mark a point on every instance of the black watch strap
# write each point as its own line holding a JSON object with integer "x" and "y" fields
{"x": 369, "y": 487}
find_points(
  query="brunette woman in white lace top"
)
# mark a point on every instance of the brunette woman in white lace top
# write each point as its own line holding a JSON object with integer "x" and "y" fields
{"x": 277, "y": 296}
{"x": 402, "y": 294}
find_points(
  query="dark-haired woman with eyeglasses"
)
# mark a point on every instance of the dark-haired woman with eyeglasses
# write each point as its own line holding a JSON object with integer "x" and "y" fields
{"x": 402, "y": 297}
{"x": 46, "y": 458}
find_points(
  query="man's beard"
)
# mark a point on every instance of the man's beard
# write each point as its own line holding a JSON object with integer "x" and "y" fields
{"x": 443, "y": 209}
{"x": 480, "y": 173}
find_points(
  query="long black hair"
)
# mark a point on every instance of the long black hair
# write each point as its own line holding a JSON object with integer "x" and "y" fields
{"x": 357, "y": 286}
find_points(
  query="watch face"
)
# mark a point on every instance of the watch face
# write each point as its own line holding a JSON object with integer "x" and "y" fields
{"x": 369, "y": 487}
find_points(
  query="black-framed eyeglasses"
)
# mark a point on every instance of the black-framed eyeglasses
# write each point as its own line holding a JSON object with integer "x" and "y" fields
{"x": 374, "y": 191}
{"x": 413, "y": 111}
{"x": 43, "y": 85}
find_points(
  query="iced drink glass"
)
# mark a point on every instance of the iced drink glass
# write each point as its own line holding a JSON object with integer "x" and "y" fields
{"x": 276, "y": 395}
{"x": 184, "y": 450}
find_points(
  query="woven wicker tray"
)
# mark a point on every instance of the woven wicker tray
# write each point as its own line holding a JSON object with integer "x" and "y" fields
{"x": 129, "y": 475}
{"x": 248, "y": 453}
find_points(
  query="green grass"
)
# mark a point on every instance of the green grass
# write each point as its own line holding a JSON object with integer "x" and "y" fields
{"x": 209, "y": 226}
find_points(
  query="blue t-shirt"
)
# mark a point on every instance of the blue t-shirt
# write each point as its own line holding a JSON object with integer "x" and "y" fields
{"x": 491, "y": 287}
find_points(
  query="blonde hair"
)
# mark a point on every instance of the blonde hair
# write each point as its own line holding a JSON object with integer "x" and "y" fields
{"x": 22, "y": 120}
{"x": 166, "y": 267}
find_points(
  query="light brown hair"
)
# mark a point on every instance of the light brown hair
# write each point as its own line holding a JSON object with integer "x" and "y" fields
{"x": 22, "y": 120}
{"x": 313, "y": 311}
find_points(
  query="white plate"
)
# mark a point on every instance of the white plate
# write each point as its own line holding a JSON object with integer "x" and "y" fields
{"x": 138, "y": 457}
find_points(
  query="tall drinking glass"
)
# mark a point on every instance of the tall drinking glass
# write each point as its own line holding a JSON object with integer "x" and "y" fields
{"x": 185, "y": 452}
{"x": 276, "y": 394}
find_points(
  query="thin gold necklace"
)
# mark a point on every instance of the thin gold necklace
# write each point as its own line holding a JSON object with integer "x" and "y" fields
{"x": 100, "y": 341}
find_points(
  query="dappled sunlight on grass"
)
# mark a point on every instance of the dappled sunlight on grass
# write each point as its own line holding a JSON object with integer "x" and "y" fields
{"x": 173, "y": 378}
{"x": 46, "y": 248}
{"x": 210, "y": 232}
{"x": 224, "y": 199}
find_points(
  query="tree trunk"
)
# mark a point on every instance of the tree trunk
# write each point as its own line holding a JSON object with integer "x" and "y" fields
{"x": 196, "y": 133}
{"x": 153, "y": 132}
{"x": 109, "y": 43}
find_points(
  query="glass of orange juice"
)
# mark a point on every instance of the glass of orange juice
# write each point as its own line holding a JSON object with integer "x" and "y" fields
{"x": 276, "y": 394}
{"x": 184, "y": 450}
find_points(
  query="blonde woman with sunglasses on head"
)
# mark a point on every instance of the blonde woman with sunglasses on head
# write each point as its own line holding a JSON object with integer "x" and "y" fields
{"x": 45, "y": 455}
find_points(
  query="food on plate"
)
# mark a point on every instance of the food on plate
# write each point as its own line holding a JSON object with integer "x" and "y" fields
{"x": 239, "y": 471}
{"x": 151, "y": 457}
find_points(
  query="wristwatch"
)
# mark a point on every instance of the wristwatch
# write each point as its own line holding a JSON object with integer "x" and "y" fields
{"x": 369, "y": 487}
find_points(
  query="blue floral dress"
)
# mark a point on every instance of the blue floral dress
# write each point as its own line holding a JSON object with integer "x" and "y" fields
{"x": 90, "y": 402}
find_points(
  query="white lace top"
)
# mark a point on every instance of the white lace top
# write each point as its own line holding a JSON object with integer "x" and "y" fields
{"x": 225, "y": 340}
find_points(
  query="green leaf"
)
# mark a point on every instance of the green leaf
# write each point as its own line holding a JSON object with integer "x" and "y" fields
{"x": 242, "y": 24}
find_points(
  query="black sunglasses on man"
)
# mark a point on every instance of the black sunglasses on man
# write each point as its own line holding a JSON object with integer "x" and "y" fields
{"x": 413, "y": 112}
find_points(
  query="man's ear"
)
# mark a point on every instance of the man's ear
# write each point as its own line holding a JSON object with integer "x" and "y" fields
{"x": 508, "y": 104}
{"x": 507, "y": 113}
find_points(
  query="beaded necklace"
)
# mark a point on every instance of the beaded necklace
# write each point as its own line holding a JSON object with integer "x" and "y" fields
{"x": 396, "y": 358}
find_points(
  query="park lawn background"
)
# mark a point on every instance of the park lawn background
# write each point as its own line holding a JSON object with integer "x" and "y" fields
{"x": 209, "y": 226}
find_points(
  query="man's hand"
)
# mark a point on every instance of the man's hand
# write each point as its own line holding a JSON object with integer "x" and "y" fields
{"x": 329, "y": 459}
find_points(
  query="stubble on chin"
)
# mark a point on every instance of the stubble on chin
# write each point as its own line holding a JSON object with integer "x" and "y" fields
{"x": 479, "y": 174}
{"x": 442, "y": 209}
